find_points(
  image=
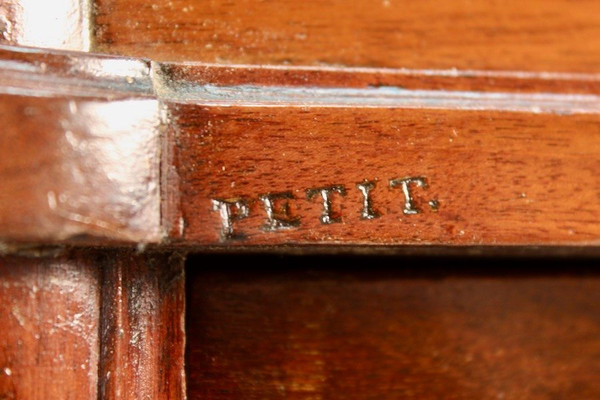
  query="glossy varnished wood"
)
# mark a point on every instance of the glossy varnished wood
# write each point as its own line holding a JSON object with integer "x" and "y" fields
{"x": 49, "y": 339}
{"x": 499, "y": 178}
{"x": 487, "y": 165}
{"x": 142, "y": 327}
{"x": 407, "y": 328}
{"x": 540, "y": 35}
{"x": 234, "y": 75}
{"x": 492, "y": 105}
{"x": 92, "y": 324}
{"x": 63, "y": 128}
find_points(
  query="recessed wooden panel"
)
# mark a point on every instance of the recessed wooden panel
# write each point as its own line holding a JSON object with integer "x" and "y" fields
{"x": 538, "y": 35}
{"x": 406, "y": 328}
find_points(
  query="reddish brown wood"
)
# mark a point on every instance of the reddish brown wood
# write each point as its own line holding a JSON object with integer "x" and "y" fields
{"x": 500, "y": 164}
{"x": 497, "y": 167}
{"x": 142, "y": 327}
{"x": 79, "y": 164}
{"x": 316, "y": 328}
{"x": 538, "y": 35}
{"x": 79, "y": 153}
{"x": 49, "y": 342}
{"x": 92, "y": 325}
{"x": 332, "y": 77}
{"x": 499, "y": 178}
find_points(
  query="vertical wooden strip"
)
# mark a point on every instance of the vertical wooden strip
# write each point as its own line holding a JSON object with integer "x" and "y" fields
{"x": 49, "y": 309}
{"x": 142, "y": 332}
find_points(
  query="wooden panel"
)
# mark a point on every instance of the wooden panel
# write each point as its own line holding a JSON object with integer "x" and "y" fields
{"x": 79, "y": 151}
{"x": 251, "y": 175}
{"x": 404, "y": 158}
{"x": 537, "y": 35}
{"x": 317, "y": 328}
{"x": 49, "y": 309}
{"x": 143, "y": 334}
{"x": 68, "y": 321}
{"x": 328, "y": 157}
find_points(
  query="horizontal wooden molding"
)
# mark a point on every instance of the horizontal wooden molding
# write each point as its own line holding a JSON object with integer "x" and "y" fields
{"x": 302, "y": 156}
{"x": 509, "y": 35}
{"x": 380, "y": 97}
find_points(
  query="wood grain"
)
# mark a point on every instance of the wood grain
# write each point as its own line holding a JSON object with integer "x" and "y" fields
{"x": 80, "y": 154}
{"x": 486, "y": 165}
{"x": 49, "y": 339}
{"x": 503, "y": 158}
{"x": 469, "y": 123}
{"x": 498, "y": 178}
{"x": 537, "y": 35}
{"x": 388, "y": 328}
{"x": 94, "y": 324}
{"x": 142, "y": 327}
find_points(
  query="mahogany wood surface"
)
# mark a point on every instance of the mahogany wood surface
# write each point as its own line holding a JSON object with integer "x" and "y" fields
{"x": 142, "y": 327}
{"x": 488, "y": 165}
{"x": 403, "y": 78}
{"x": 497, "y": 178}
{"x": 468, "y": 125}
{"x": 392, "y": 328}
{"x": 80, "y": 154}
{"x": 249, "y": 160}
{"x": 537, "y": 35}
{"x": 92, "y": 325}
{"x": 49, "y": 335}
